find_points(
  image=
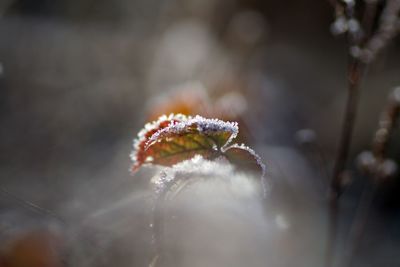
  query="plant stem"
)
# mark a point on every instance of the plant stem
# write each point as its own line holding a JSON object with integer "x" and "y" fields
{"x": 355, "y": 71}
{"x": 356, "y": 68}
{"x": 357, "y": 65}
{"x": 380, "y": 143}
{"x": 359, "y": 223}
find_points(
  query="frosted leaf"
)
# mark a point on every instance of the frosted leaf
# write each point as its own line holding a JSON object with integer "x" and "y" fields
{"x": 219, "y": 131}
{"x": 196, "y": 166}
{"x": 175, "y": 138}
{"x": 138, "y": 157}
{"x": 171, "y": 141}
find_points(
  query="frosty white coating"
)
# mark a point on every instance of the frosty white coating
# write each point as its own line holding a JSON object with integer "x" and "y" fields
{"x": 141, "y": 137}
{"x": 196, "y": 165}
{"x": 205, "y": 126}
{"x": 180, "y": 124}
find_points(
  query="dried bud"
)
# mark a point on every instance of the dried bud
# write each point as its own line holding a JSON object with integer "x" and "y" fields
{"x": 353, "y": 26}
{"x": 355, "y": 51}
{"x": 387, "y": 169}
{"x": 339, "y": 26}
{"x": 366, "y": 162}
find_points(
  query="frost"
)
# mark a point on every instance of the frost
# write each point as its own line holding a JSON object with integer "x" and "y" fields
{"x": 185, "y": 144}
{"x": 179, "y": 124}
{"x": 203, "y": 125}
{"x": 196, "y": 166}
{"x": 172, "y": 181}
{"x": 147, "y": 131}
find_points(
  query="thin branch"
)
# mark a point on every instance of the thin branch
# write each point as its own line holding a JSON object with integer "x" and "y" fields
{"x": 388, "y": 28}
{"x": 359, "y": 223}
{"x": 378, "y": 167}
{"x": 355, "y": 73}
{"x": 356, "y": 69}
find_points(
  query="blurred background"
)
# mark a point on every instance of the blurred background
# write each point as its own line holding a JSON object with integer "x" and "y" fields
{"x": 79, "y": 78}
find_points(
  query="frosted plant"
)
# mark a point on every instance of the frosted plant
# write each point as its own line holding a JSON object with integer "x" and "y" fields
{"x": 175, "y": 138}
{"x": 190, "y": 149}
{"x": 218, "y": 177}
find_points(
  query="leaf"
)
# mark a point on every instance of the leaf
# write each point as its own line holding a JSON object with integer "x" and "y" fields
{"x": 176, "y": 138}
{"x": 138, "y": 155}
{"x": 182, "y": 139}
{"x": 244, "y": 158}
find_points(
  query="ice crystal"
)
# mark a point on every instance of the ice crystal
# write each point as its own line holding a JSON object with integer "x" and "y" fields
{"x": 149, "y": 129}
{"x": 194, "y": 166}
{"x": 203, "y": 125}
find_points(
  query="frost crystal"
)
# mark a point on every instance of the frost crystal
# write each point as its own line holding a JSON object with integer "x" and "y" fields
{"x": 148, "y": 130}
{"x": 195, "y": 166}
{"x": 176, "y": 125}
{"x": 203, "y": 125}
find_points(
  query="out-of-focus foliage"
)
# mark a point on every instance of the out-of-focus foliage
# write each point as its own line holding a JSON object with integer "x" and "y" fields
{"x": 37, "y": 248}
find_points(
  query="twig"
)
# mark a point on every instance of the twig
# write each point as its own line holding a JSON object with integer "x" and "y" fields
{"x": 378, "y": 167}
{"x": 389, "y": 26}
{"x": 356, "y": 69}
{"x": 359, "y": 223}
